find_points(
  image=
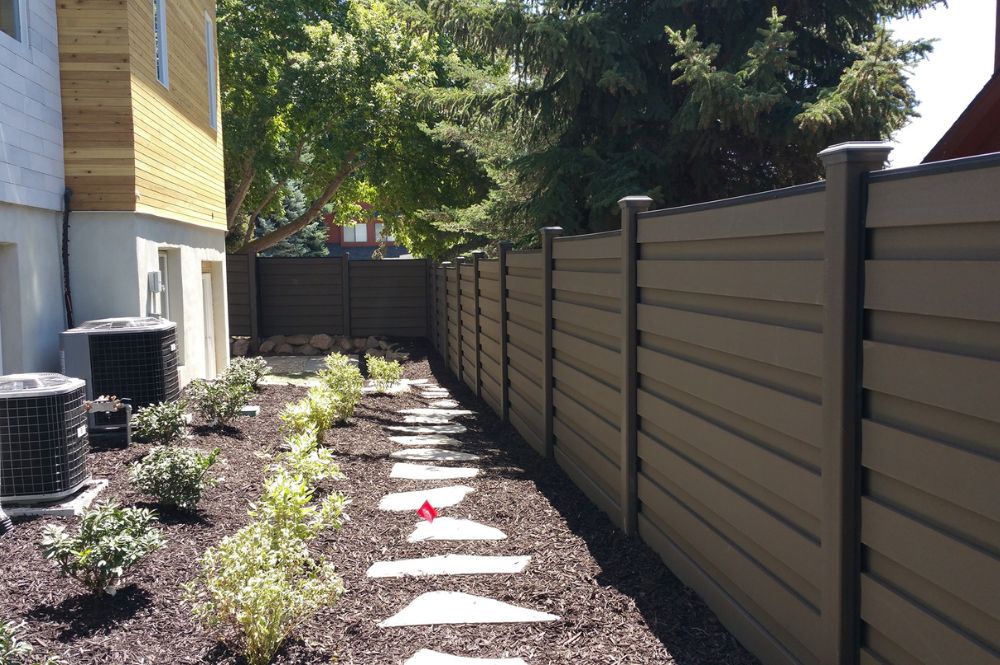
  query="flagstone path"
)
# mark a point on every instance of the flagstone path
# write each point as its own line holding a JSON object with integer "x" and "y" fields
{"x": 426, "y": 427}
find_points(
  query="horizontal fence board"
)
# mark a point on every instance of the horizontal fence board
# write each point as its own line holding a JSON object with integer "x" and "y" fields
{"x": 569, "y": 347}
{"x": 604, "y": 322}
{"x": 960, "y": 197}
{"x": 786, "y": 281}
{"x": 936, "y": 288}
{"x": 590, "y": 283}
{"x": 605, "y": 246}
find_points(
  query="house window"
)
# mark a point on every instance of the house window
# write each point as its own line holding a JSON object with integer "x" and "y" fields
{"x": 11, "y": 21}
{"x": 380, "y": 233}
{"x": 356, "y": 233}
{"x": 160, "y": 40}
{"x": 213, "y": 93}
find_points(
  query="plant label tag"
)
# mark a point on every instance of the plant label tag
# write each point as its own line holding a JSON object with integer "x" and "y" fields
{"x": 427, "y": 512}
{"x": 81, "y": 431}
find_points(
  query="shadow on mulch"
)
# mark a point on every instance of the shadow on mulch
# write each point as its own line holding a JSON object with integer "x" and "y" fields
{"x": 86, "y": 614}
{"x": 227, "y": 431}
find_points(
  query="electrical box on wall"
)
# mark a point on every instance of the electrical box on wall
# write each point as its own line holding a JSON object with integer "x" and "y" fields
{"x": 155, "y": 281}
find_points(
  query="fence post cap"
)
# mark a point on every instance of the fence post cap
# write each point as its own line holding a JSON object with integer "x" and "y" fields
{"x": 446, "y": 263}
{"x": 506, "y": 244}
{"x": 461, "y": 259}
{"x": 856, "y": 151}
{"x": 551, "y": 230}
{"x": 478, "y": 254}
{"x": 639, "y": 203}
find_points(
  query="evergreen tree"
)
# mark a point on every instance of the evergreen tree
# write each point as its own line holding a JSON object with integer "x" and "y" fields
{"x": 309, "y": 241}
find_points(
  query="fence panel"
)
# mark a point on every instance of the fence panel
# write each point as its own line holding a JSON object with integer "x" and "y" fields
{"x": 524, "y": 345}
{"x": 239, "y": 294}
{"x": 489, "y": 333}
{"x": 729, "y": 319}
{"x": 452, "y": 325}
{"x": 388, "y": 298}
{"x": 300, "y": 296}
{"x": 467, "y": 320}
{"x": 930, "y": 507}
{"x": 441, "y": 310}
{"x": 586, "y": 364}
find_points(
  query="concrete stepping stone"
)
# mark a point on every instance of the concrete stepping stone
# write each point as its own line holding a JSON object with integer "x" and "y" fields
{"x": 450, "y": 528}
{"x": 434, "y": 455}
{"x": 436, "y": 394}
{"x": 452, "y": 607}
{"x": 439, "y": 497}
{"x": 438, "y": 412}
{"x": 451, "y": 428}
{"x": 427, "y": 420}
{"x": 444, "y": 404}
{"x": 415, "y": 382}
{"x": 406, "y": 471}
{"x": 450, "y": 564}
{"x": 428, "y": 657}
{"x": 425, "y": 440}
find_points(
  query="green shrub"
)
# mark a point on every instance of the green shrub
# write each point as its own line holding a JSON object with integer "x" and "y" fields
{"x": 246, "y": 371}
{"x": 111, "y": 540}
{"x": 161, "y": 424}
{"x": 218, "y": 402}
{"x": 286, "y": 507}
{"x": 315, "y": 413}
{"x": 175, "y": 476}
{"x": 343, "y": 379}
{"x": 309, "y": 461}
{"x": 384, "y": 373}
{"x": 16, "y": 651}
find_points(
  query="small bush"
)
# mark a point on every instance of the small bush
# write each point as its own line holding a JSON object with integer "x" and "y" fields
{"x": 246, "y": 371}
{"x": 161, "y": 424}
{"x": 110, "y": 542}
{"x": 343, "y": 379}
{"x": 309, "y": 461}
{"x": 218, "y": 402}
{"x": 287, "y": 509}
{"x": 175, "y": 476}
{"x": 16, "y": 651}
{"x": 384, "y": 373}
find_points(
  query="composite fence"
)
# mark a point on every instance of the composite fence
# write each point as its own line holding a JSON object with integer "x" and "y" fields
{"x": 337, "y": 296}
{"x": 793, "y": 397}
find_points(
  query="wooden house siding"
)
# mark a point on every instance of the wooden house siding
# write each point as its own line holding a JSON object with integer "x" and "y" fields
{"x": 132, "y": 144}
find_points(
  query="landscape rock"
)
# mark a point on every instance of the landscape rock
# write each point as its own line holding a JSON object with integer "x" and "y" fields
{"x": 383, "y": 345}
{"x": 267, "y": 346}
{"x": 284, "y": 349}
{"x": 323, "y": 342}
{"x": 241, "y": 346}
{"x": 307, "y": 350}
{"x": 371, "y": 343}
{"x": 345, "y": 344}
{"x": 375, "y": 352}
{"x": 277, "y": 339}
{"x": 297, "y": 340}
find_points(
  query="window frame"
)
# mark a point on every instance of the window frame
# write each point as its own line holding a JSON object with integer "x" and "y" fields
{"x": 161, "y": 60}
{"x": 19, "y": 40}
{"x": 163, "y": 265}
{"x": 211, "y": 58}
{"x": 352, "y": 229}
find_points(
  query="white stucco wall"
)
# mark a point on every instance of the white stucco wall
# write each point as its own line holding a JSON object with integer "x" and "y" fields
{"x": 111, "y": 256}
{"x": 31, "y": 148}
{"x": 31, "y": 309}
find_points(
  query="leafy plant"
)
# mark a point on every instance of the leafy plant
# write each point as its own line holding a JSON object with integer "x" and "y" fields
{"x": 384, "y": 373}
{"x": 342, "y": 378}
{"x": 16, "y": 651}
{"x": 286, "y": 507}
{"x": 111, "y": 540}
{"x": 175, "y": 476}
{"x": 246, "y": 371}
{"x": 315, "y": 413}
{"x": 162, "y": 424}
{"x": 309, "y": 461}
{"x": 218, "y": 402}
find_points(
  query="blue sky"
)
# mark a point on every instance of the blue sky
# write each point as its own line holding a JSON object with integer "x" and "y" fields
{"x": 947, "y": 81}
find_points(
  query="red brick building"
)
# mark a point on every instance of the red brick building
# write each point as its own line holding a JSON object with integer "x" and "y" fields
{"x": 360, "y": 240}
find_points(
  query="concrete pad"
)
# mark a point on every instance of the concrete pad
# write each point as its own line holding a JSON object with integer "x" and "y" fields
{"x": 428, "y": 657}
{"x": 425, "y": 440}
{"x": 451, "y": 607}
{"x": 450, "y": 528}
{"x": 434, "y": 455}
{"x": 406, "y": 471}
{"x": 70, "y": 506}
{"x": 439, "y": 497}
{"x": 434, "y": 412}
{"x": 426, "y": 420}
{"x": 450, "y": 564}
{"x": 451, "y": 428}
{"x": 444, "y": 404}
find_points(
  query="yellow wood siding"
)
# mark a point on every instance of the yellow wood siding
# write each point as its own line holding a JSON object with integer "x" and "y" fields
{"x": 130, "y": 142}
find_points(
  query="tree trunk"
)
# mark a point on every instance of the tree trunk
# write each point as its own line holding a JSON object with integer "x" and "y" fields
{"x": 303, "y": 220}
{"x": 233, "y": 209}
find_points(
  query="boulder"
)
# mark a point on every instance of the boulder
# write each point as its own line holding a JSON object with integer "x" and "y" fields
{"x": 360, "y": 343}
{"x": 276, "y": 339}
{"x": 284, "y": 349}
{"x": 297, "y": 340}
{"x": 375, "y": 352}
{"x": 322, "y": 342}
{"x": 371, "y": 343}
{"x": 241, "y": 346}
{"x": 267, "y": 346}
{"x": 307, "y": 350}
{"x": 384, "y": 345}
{"x": 345, "y": 344}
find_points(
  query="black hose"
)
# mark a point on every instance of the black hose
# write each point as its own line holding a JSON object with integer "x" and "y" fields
{"x": 67, "y": 294}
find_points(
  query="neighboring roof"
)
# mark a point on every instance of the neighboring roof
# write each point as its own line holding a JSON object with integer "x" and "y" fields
{"x": 977, "y": 130}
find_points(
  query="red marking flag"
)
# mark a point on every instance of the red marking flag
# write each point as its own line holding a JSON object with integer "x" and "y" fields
{"x": 427, "y": 512}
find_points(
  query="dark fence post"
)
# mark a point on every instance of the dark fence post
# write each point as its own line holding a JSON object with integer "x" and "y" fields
{"x": 446, "y": 342}
{"x": 844, "y": 234}
{"x": 476, "y": 258}
{"x": 345, "y": 281}
{"x": 428, "y": 302}
{"x": 254, "y": 298}
{"x": 505, "y": 248}
{"x": 630, "y": 206}
{"x": 459, "y": 369}
{"x": 549, "y": 234}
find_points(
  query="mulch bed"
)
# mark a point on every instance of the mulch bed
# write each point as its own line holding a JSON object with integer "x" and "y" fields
{"x": 616, "y": 600}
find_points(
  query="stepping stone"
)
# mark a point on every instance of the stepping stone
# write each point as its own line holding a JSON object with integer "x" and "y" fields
{"x": 450, "y": 528}
{"x": 425, "y": 440}
{"x": 438, "y": 412}
{"x": 434, "y": 455}
{"x": 428, "y": 657}
{"x": 451, "y": 607}
{"x": 451, "y": 428}
{"x": 444, "y": 404}
{"x": 450, "y": 564}
{"x": 426, "y": 472}
{"x": 439, "y": 497}
{"x": 426, "y": 420}
{"x": 436, "y": 394}
{"x": 414, "y": 382}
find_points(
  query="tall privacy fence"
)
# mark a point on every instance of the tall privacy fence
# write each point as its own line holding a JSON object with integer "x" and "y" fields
{"x": 793, "y": 397}
{"x": 288, "y": 296}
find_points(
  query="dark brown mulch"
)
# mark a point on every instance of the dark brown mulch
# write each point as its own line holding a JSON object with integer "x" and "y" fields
{"x": 617, "y": 602}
